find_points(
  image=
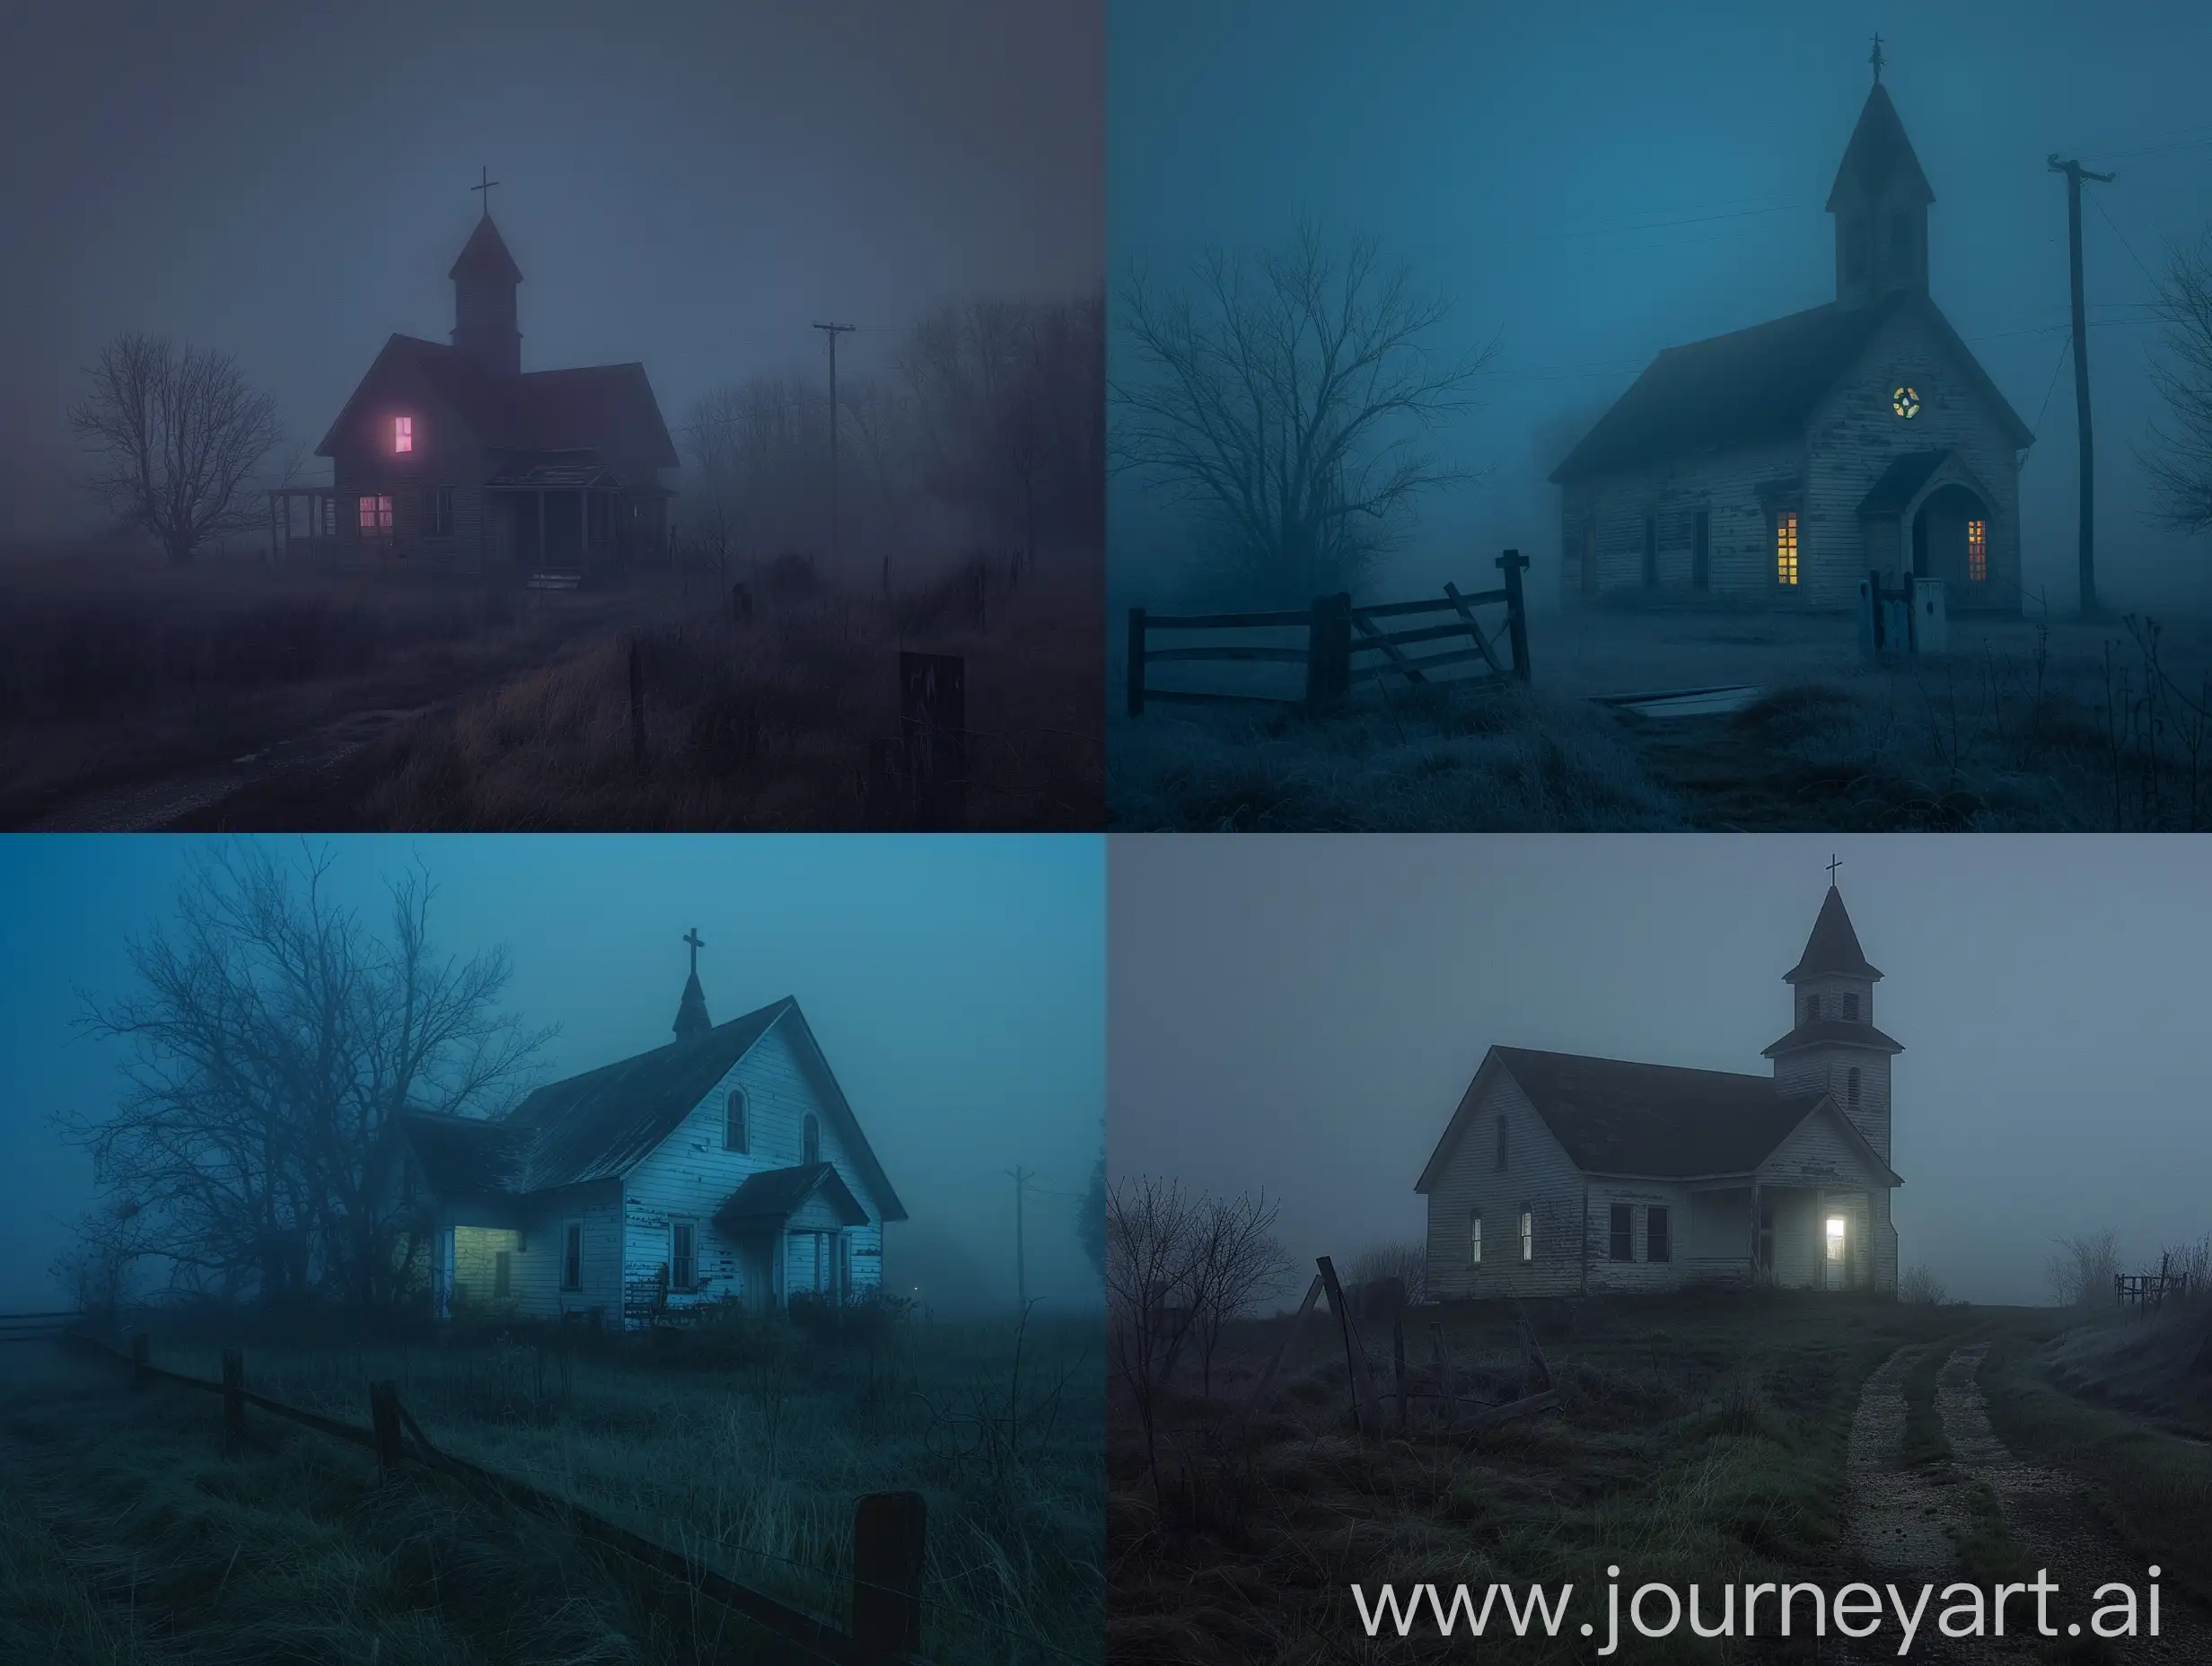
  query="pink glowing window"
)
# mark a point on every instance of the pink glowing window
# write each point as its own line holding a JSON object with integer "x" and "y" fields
{"x": 376, "y": 517}
{"x": 402, "y": 433}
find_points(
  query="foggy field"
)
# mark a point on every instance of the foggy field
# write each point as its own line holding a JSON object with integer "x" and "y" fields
{"x": 128, "y": 1532}
{"x": 119, "y": 675}
{"x": 231, "y": 695}
{"x": 2014, "y": 729}
{"x": 1706, "y": 1438}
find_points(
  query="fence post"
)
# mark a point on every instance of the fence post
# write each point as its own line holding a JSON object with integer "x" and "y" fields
{"x": 1329, "y": 650}
{"x": 384, "y": 1426}
{"x": 140, "y": 1373}
{"x": 235, "y": 1393}
{"x": 1513, "y": 564}
{"x": 1137, "y": 661}
{"x": 888, "y": 1531}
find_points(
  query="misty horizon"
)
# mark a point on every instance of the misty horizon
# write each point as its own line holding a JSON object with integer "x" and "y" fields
{"x": 687, "y": 197}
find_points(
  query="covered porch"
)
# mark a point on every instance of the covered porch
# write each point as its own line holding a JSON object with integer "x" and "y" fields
{"x": 557, "y": 515}
{"x": 792, "y": 1229}
{"x": 302, "y": 523}
{"x": 1787, "y": 1237}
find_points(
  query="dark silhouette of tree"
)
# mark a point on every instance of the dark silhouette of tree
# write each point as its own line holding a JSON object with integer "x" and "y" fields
{"x": 2180, "y": 456}
{"x": 1283, "y": 398}
{"x": 176, "y": 437}
{"x": 272, "y": 1042}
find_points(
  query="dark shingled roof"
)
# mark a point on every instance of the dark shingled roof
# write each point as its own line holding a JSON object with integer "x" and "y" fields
{"x": 1833, "y": 1029}
{"x": 1879, "y": 158}
{"x": 774, "y": 1194}
{"x": 1832, "y": 950}
{"x": 1741, "y": 389}
{"x": 595, "y": 407}
{"x": 484, "y": 255}
{"x": 1906, "y": 475}
{"x": 1615, "y": 1117}
{"x": 595, "y": 1125}
{"x": 460, "y": 1154}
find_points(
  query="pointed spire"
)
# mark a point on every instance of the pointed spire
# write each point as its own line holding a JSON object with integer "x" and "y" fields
{"x": 1879, "y": 162}
{"x": 484, "y": 255}
{"x": 692, "y": 1020}
{"x": 1832, "y": 950}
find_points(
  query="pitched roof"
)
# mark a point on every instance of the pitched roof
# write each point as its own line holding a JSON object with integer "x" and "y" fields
{"x": 1741, "y": 389}
{"x": 774, "y": 1194}
{"x": 596, "y": 1126}
{"x": 1827, "y": 1030}
{"x": 1832, "y": 950}
{"x": 1879, "y": 158}
{"x": 1906, "y": 474}
{"x": 594, "y": 408}
{"x": 484, "y": 255}
{"x": 1617, "y": 1117}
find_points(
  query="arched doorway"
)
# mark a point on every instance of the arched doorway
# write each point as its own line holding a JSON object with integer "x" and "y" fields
{"x": 1950, "y": 537}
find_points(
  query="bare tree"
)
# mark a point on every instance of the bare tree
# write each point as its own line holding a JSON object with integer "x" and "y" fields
{"x": 177, "y": 435}
{"x": 273, "y": 1042}
{"x": 1284, "y": 401}
{"x": 1406, "y": 1265}
{"x": 2082, "y": 1272}
{"x": 2180, "y": 460}
{"x": 1235, "y": 1262}
{"x": 1150, "y": 1283}
{"x": 1091, "y": 1218}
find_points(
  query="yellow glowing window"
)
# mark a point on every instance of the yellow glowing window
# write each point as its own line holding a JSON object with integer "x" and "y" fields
{"x": 1977, "y": 551}
{"x": 402, "y": 433}
{"x": 1835, "y": 1237}
{"x": 1785, "y": 546}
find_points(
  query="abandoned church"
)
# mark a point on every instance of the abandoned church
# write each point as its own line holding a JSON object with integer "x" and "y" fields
{"x": 1782, "y": 464}
{"x": 1564, "y": 1175}
{"x": 455, "y": 456}
{"x": 726, "y": 1166}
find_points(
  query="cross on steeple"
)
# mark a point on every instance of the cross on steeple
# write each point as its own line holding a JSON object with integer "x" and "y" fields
{"x": 485, "y": 176}
{"x": 1875, "y": 58}
{"x": 697, "y": 943}
{"x": 1834, "y": 862}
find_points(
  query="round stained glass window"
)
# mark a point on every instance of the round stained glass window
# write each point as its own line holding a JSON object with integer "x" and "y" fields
{"x": 1906, "y": 403}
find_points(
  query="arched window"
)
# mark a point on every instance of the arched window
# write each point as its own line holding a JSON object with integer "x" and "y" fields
{"x": 809, "y": 1139}
{"x": 1501, "y": 1143}
{"x": 1850, "y": 1008}
{"x": 736, "y": 1131}
{"x": 1474, "y": 1238}
{"x": 1851, "y": 1086}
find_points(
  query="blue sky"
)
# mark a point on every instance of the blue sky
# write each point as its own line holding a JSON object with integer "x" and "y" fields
{"x": 1592, "y": 182}
{"x": 957, "y": 985}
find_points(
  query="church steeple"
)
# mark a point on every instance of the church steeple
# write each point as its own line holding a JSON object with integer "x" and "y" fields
{"x": 485, "y": 278}
{"x": 1832, "y": 1044}
{"x": 1881, "y": 201}
{"x": 692, "y": 1020}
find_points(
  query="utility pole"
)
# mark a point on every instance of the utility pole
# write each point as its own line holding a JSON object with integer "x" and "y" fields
{"x": 1022, "y": 1178}
{"x": 2075, "y": 174}
{"x": 833, "y": 331}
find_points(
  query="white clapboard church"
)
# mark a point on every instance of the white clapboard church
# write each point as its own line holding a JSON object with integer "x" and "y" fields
{"x": 1564, "y": 1175}
{"x": 726, "y": 1165}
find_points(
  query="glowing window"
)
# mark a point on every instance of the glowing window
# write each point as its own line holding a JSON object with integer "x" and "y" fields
{"x": 1835, "y": 1238}
{"x": 1977, "y": 551}
{"x": 1906, "y": 403}
{"x": 1785, "y": 546}
{"x": 1528, "y": 1236}
{"x": 402, "y": 433}
{"x": 1474, "y": 1238}
{"x": 376, "y": 517}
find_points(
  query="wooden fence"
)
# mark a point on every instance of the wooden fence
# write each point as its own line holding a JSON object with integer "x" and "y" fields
{"x": 888, "y": 1528}
{"x": 36, "y": 1326}
{"x": 1336, "y": 632}
{"x": 2148, "y": 1292}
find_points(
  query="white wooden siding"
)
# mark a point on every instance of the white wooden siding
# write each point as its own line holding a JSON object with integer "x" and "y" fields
{"x": 690, "y": 1176}
{"x": 1540, "y": 1178}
